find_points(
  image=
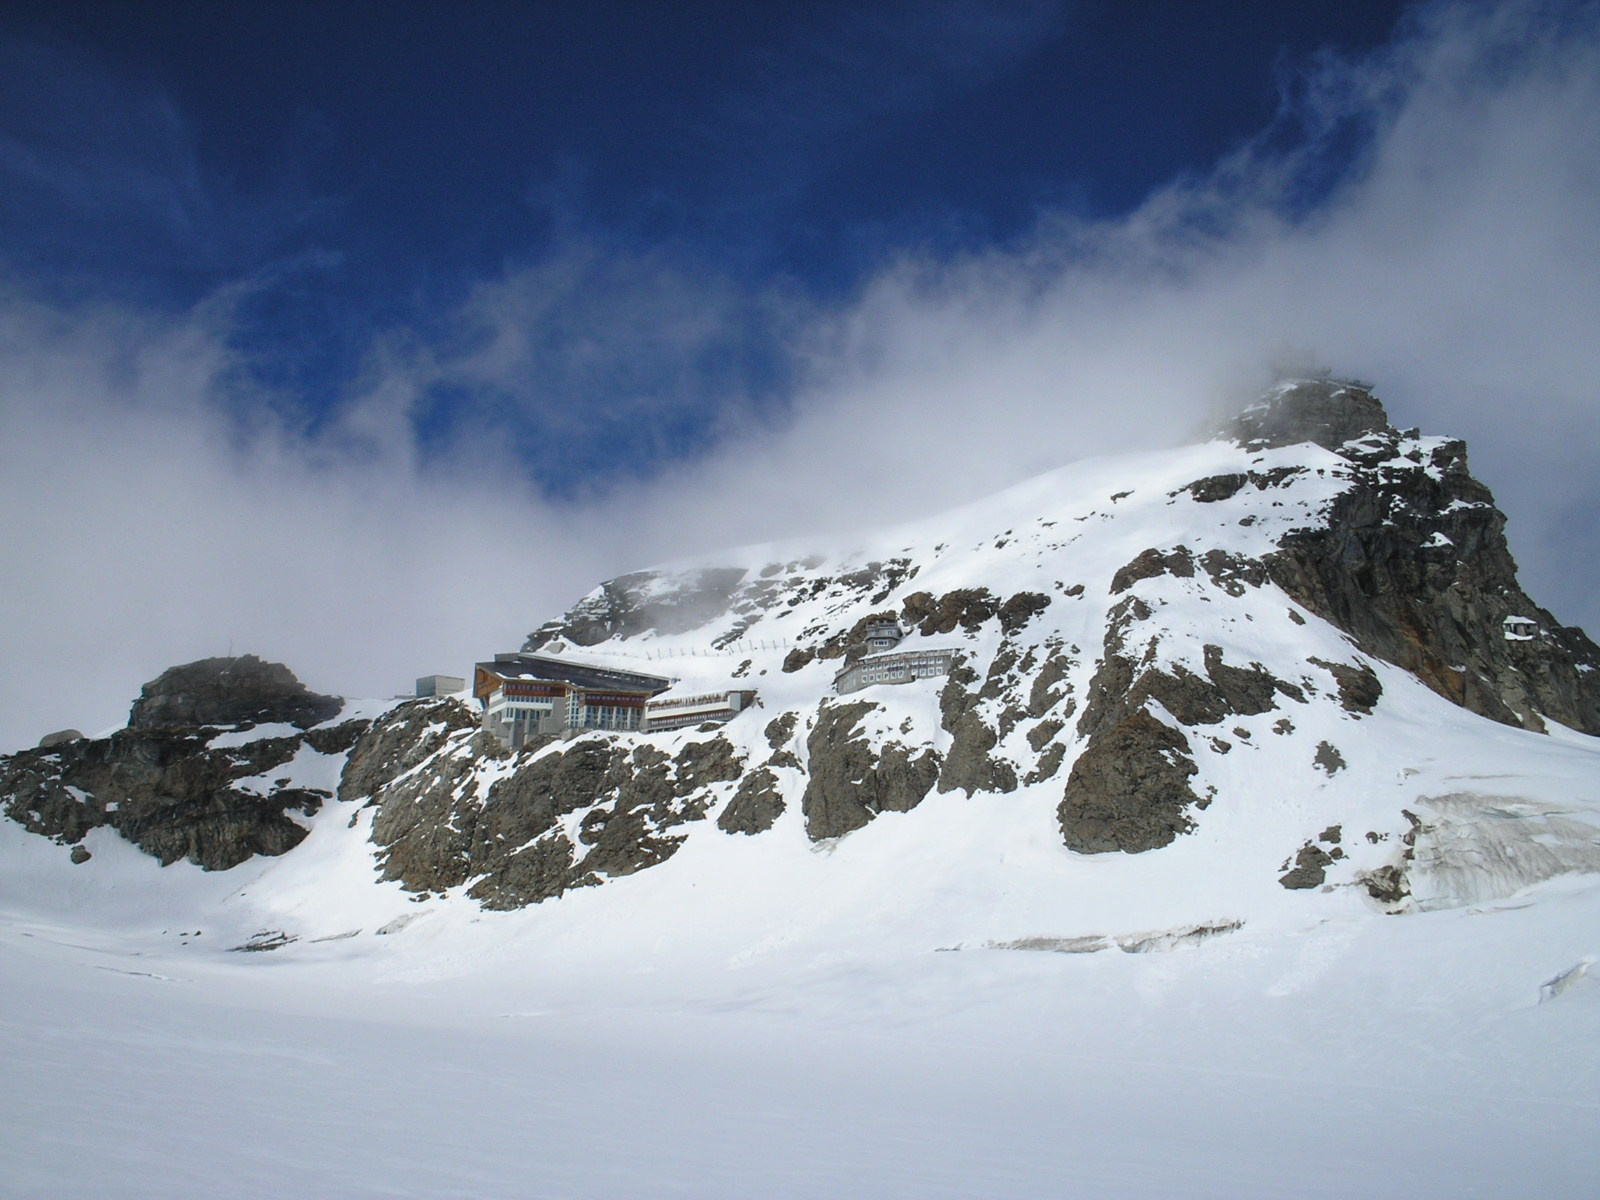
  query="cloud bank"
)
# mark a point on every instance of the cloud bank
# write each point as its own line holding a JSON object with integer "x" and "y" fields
{"x": 1427, "y": 217}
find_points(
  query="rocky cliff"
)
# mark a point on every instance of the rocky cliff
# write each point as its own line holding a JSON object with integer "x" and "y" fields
{"x": 186, "y": 779}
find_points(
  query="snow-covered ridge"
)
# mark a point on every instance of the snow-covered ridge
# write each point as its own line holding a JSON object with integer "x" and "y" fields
{"x": 1241, "y": 684}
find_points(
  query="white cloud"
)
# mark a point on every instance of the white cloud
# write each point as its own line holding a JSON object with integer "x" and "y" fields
{"x": 1459, "y": 268}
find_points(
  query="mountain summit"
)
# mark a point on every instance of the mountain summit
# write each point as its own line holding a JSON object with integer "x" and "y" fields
{"x": 1292, "y": 659}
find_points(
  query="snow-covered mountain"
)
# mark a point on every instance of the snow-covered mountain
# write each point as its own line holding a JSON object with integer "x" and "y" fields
{"x": 1275, "y": 698}
{"x": 1290, "y": 659}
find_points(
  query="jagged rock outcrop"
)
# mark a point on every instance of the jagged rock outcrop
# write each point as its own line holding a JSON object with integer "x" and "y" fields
{"x": 644, "y": 600}
{"x": 405, "y": 737}
{"x": 229, "y": 691}
{"x": 756, "y": 805}
{"x": 970, "y": 763}
{"x": 1414, "y": 566}
{"x": 852, "y": 779}
{"x": 1326, "y": 412}
{"x": 1129, "y": 789}
{"x": 568, "y": 816}
{"x": 654, "y": 602}
{"x": 1411, "y": 561}
{"x": 162, "y": 786}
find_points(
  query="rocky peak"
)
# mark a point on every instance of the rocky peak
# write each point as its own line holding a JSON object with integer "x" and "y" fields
{"x": 229, "y": 691}
{"x": 172, "y": 784}
{"x": 1329, "y": 412}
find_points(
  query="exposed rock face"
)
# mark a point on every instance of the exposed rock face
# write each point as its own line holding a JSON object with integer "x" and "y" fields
{"x": 1327, "y": 412}
{"x": 1129, "y": 790}
{"x": 970, "y": 764}
{"x": 163, "y": 791}
{"x": 968, "y": 608}
{"x": 1359, "y": 688}
{"x": 669, "y": 604}
{"x": 229, "y": 691}
{"x": 160, "y": 784}
{"x": 644, "y": 600}
{"x": 568, "y": 817}
{"x": 402, "y": 740}
{"x": 1412, "y": 563}
{"x": 1328, "y": 759}
{"x": 756, "y": 805}
{"x": 852, "y": 780}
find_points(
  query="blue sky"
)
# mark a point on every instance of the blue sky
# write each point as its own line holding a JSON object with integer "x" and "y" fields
{"x": 366, "y": 336}
{"x": 352, "y": 170}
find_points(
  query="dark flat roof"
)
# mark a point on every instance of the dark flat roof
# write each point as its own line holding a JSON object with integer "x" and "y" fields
{"x": 534, "y": 666}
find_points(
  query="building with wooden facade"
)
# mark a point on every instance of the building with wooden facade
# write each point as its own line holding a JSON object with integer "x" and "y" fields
{"x": 527, "y": 694}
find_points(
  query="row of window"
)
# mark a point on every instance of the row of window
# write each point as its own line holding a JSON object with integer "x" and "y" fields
{"x": 606, "y": 716}
{"x": 902, "y": 668}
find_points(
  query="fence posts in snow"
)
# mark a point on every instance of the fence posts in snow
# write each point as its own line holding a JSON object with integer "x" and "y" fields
{"x": 741, "y": 647}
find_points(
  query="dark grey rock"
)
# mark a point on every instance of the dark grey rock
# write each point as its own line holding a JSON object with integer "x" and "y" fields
{"x": 536, "y": 872}
{"x": 967, "y": 608}
{"x": 1359, "y": 689}
{"x": 1121, "y": 686}
{"x": 1150, "y": 563}
{"x": 425, "y": 823}
{"x": 229, "y": 691}
{"x": 1328, "y": 758}
{"x": 1022, "y": 608}
{"x": 701, "y": 764}
{"x": 851, "y": 781}
{"x": 969, "y": 764}
{"x": 756, "y": 805}
{"x": 437, "y": 830}
{"x": 643, "y": 601}
{"x": 1233, "y": 573}
{"x": 1217, "y": 487}
{"x": 780, "y": 730}
{"x": 400, "y": 740}
{"x": 337, "y": 739}
{"x": 163, "y": 790}
{"x": 1411, "y": 561}
{"x": 1129, "y": 789}
{"x": 799, "y": 657}
{"x": 1327, "y": 412}
{"x": 1044, "y": 694}
{"x": 1049, "y": 763}
{"x": 1039, "y": 736}
{"x": 1310, "y": 868}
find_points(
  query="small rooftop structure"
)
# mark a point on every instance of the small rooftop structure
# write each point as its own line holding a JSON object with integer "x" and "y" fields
{"x": 440, "y": 685}
{"x": 1520, "y": 629}
{"x": 881, "y": 635}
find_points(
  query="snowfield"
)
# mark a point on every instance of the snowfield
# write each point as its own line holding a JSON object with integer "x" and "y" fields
{"x": 1361, "y": 1056}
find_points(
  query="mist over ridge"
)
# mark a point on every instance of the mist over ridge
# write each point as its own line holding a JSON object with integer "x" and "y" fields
{"x": 159, "y": 518}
